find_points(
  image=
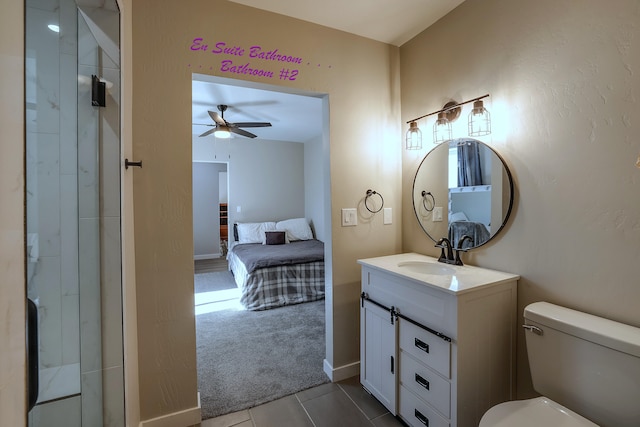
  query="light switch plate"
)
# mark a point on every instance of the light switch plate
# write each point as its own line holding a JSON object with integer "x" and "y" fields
{"x": 349, "y": 217}
{"x": 387, "y": 216}
{"x": 437, "y": 214}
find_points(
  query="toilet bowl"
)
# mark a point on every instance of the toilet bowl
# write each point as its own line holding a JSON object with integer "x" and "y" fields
{"x": 537, "y": 412}
{"x": 579, "y": 361}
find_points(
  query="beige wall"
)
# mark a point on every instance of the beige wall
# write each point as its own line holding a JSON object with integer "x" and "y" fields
{"x": 564, "y": 101}
{"x": 564, "y": 90}
{"x": 12, "y": 282}
{"x": 361, "y": 78}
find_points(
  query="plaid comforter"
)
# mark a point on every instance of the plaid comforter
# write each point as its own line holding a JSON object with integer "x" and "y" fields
{"x": 282, "y": 284}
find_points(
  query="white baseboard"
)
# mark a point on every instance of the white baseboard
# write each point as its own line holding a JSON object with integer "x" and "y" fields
{"x": 186, "y": 418}
{"x": 206, "y": 256}
{"x": 342, "y": 372}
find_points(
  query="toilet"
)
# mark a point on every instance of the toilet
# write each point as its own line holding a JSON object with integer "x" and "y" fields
{"x": 586, "y": 368}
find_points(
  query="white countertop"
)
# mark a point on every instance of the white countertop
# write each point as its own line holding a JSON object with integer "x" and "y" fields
{"x": 463, "y": 278}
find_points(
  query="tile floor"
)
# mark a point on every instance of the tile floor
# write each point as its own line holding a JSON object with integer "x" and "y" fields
{"x": 329, "y": 405}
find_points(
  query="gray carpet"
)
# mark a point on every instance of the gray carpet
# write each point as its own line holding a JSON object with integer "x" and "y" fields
{"x": 210, "y": 282}
{"x": 246, "y": 358}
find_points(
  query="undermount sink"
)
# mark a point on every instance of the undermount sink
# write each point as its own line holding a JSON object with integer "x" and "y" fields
{"x": 425, "y": 267}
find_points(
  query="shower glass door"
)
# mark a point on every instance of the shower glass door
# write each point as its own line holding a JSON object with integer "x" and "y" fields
{"x": 73, "y": 213}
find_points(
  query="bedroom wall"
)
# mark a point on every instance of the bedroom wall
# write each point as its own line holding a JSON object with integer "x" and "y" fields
{"x": 360, "y": 77}
{"x": 206, "y": 209}
{"x": 266, "y": 178}
{"x": 564, "y": 102}
{"x": 314, "y": 187}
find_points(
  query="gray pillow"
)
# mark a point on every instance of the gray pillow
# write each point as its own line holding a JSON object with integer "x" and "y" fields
{"x": 274, "y": 237}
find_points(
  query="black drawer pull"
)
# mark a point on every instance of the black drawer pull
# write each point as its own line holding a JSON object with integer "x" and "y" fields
{"x": 424, "y": 383}
{"x": 424, "y": 420}
{"x": 421, "y": 345}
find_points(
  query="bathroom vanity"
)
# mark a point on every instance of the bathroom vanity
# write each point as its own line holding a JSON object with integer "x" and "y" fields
{"x": 438, "y": 341}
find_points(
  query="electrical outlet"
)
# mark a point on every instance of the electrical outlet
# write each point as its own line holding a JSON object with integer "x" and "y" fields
{"x": 349, "y": 217}
{"x": 437, "y": 214}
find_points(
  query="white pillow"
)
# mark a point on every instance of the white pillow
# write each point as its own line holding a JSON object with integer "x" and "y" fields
{"x": 296, "y": 228}
{"x": 253, "y": 232}
{"x": 458, "y": 216}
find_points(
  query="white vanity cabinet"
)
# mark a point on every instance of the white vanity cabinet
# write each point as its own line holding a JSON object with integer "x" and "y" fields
{"x": 437, "y": 347}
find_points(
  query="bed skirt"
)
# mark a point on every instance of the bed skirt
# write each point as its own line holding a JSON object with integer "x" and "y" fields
{"x": 280, "y": 285}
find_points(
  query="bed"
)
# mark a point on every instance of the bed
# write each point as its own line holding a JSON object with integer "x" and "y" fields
{"x": 276, "y": 263}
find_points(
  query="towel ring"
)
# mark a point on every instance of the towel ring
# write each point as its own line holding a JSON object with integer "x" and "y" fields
{"x": 369, "y": 194}
{"x": 424, "y": 200}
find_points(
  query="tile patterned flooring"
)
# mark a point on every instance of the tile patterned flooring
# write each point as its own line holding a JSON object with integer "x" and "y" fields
{"x": 344, "y": 403}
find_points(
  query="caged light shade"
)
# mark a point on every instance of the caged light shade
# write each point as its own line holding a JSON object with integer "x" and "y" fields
{"x": 441, "y": 129}
{"x": 413, "y": 139}
{"x": 479, "y": 120}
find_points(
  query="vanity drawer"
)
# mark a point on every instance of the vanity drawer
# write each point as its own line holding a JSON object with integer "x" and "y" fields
{"x": 416, "y": 413}
{"x": 425, "y": 383}
{"x": 415, "y": 300}
{"x": 426, "y": 347}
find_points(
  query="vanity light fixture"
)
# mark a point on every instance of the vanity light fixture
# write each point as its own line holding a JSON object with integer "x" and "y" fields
{"x": 479, "y": 122}
{"x": 441, "y": 129}
{"x": 413, "y": 139}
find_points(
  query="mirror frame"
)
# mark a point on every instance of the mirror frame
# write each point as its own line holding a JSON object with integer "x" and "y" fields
{"x": 506, "y": 171}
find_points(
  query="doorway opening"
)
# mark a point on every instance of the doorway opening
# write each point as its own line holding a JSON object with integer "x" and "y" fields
{"x": 281, "y": 174}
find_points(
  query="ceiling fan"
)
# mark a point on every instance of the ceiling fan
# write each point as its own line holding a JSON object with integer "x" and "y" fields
{"x": 224, "y": 129}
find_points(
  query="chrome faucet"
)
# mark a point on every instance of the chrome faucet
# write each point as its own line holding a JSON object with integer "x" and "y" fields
{"x": 449, "y": 258}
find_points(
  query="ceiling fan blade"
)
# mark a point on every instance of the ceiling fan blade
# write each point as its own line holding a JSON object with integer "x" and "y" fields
{"x": 209, "y": 132}
{"x": 242, "y": 132}
{"x": 252, "y": 124}
{"x": 216, "y": 118}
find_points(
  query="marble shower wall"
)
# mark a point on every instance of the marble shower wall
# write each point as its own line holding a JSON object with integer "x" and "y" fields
{"x": 102, "y": 370}
{"x": 73, "y": 216}
{"x": 52, "y": 214}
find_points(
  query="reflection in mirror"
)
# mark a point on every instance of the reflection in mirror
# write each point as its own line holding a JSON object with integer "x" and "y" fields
{"x": 462, "y": 188}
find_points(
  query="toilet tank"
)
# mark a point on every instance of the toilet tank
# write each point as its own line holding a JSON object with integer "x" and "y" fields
{"x": 587, "y": 363}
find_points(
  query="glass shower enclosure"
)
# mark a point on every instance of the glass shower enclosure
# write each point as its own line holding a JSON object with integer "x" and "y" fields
{"x": 73, "y": 268}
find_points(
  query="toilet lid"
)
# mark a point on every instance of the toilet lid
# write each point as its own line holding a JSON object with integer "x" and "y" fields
{"x": 536, "y": 412}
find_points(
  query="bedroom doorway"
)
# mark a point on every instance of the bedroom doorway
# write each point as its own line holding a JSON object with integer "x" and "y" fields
{"x": 282, "y": 173}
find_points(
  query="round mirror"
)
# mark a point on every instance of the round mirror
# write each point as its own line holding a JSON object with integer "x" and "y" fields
{"x": 462, "y": 188}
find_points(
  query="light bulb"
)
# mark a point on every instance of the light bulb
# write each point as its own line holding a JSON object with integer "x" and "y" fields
{"x": 479, "y": 120}
{"x": 413, "y": 139}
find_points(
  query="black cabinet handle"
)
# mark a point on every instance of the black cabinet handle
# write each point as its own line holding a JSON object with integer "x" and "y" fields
{"x": 392, "y": 365}
{"x": 424, "y": 420}
{"x": 424, "y": 383}
{"x": 421, "y": 345}
{"x": 32, "y": 352}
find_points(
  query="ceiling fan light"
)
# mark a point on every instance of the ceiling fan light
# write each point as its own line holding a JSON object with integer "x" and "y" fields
{"x": 222, "y": 132}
